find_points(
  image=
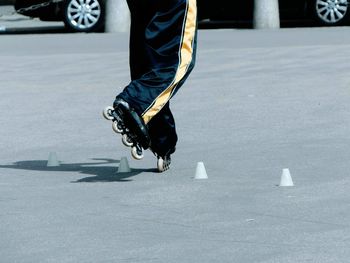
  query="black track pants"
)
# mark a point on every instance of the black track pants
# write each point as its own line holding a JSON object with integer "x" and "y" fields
{"x": 162, "y": 54}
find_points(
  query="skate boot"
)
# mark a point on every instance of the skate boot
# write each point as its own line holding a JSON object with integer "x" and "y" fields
{"x": 132, "y": 127}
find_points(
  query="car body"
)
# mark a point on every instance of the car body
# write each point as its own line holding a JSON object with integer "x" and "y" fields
{"x": 89, "y": 15}
{"x": 78, "y": 15}
{"x": 323, "y": 12}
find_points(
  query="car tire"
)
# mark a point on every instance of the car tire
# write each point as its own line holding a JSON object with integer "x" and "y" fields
{"x": 84, "y": 15}
{"x": 331, "y": 12}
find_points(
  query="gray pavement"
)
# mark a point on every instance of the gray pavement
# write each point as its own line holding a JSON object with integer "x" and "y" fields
{"x": 257, "y": 102}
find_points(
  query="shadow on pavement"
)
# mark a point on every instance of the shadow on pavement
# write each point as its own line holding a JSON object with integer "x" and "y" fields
{"x": 100, "y": 173}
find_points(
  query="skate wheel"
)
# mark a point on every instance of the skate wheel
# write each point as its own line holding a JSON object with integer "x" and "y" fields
{"x": 116, "y": 128}
{"x": 126, "y": 141}
{"x": 163, "y": 165}
{"x": 160, "y": 164}
{"x": 136, "y": 153}
{"x": 107, "y": 113}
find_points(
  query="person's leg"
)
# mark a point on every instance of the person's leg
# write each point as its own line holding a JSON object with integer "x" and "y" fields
{"x": 168, "y": 53}
{"x": 138, "y": 58}
{"x": 130, "y": 123}
{"x": 163, "y": 133}
{"x": 162, "y": 55}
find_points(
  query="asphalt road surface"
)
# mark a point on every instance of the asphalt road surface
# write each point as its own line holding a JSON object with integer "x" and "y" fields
{"x": 256, "y": 103}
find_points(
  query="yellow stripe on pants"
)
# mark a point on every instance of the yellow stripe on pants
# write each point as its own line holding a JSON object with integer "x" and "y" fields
{"x": 185, "y": 58}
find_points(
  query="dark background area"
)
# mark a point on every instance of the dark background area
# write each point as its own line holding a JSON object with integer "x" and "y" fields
{"x": 7, "y": 2}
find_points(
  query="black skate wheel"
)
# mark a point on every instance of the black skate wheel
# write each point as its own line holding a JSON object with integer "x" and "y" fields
{"x": 107, "y": 113}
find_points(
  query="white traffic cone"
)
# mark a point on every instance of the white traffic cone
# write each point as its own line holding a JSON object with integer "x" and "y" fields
{"x": 201, "y": 173}
{"x": 124, "y": 166}
{"x": 53, "y": 161}
{"x": 286, "y": 178}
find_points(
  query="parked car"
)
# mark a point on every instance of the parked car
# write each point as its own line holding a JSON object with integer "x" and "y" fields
{"x": 323, "y": 12}
{"x": 89, "y": 15}
{"x": 77, "y": 15}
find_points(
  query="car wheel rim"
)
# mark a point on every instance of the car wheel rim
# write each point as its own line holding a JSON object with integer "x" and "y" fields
{"x": 331, "y": 11}
{"x": 83, "y": 14}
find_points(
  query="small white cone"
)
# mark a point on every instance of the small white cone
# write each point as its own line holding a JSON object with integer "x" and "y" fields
{"x": 201, "y": 173}
{"x": 53, "y": 161}
{"x": 286, "y": 178}
{"x": 124, "y": 166}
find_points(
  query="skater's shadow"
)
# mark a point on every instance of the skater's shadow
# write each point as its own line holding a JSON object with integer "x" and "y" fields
{"x": 101, "y": 169}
